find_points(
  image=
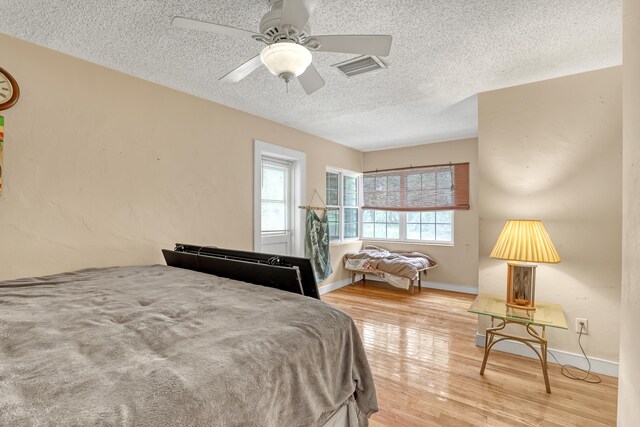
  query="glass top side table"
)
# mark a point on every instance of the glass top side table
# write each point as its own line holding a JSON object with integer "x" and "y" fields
{"x": 501, "y": 315}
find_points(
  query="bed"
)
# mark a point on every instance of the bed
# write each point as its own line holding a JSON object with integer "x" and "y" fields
{"x": 165, "y": 346}
{"x": 401, "y": 269}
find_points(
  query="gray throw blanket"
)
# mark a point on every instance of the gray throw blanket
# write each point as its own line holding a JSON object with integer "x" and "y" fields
{"x": 162, "y": 346}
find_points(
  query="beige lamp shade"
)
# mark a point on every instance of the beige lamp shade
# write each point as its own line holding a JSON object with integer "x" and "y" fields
{"x": 526, "y": 241}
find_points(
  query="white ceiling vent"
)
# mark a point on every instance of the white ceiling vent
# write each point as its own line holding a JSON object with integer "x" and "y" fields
{"x": 360, "y": 65}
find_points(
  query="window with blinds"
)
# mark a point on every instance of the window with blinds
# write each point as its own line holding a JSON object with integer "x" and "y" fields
{"x": 426, "y": 188}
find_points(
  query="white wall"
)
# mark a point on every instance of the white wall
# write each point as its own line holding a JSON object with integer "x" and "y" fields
{"x": 458, "y": 264}
{"x": 629, "y": 384}
{"x": 102, "y": 169}
{"x": 552, "y": 151}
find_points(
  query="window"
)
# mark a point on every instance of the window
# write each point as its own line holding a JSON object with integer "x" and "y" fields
{"x": 432, "y": 226}
{"x": 275, "y": 195}
{"x": 380, "y": 224}
{"x": 427, "y": 226}
{"x": 343, "y": 194}
{"x": 350, "y": 207}
{"x": 414, "y": 203}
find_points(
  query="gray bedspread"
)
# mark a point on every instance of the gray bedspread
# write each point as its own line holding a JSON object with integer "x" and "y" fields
{"x": 161, "y": 346}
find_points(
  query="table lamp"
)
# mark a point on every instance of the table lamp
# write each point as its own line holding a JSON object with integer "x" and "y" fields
{"x": 526, "y": 242}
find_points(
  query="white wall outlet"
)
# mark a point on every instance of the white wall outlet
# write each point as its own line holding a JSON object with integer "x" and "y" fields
{"x": 585, "y": 328}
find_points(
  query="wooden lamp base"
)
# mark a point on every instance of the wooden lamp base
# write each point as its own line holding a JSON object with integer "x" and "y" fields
{"x": 522, "y": 307}
{"x": 521, "y": 286}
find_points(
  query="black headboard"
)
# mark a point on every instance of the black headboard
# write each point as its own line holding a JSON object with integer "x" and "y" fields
{"x": 286, "y": 273}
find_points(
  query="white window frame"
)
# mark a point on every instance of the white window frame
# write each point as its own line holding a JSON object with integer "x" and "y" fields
{"x": 340, "y": 208}
{"x": 403, "y": 232}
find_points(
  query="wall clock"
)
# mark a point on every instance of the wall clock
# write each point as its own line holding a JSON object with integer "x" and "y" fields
{"x": 9, "y": 90}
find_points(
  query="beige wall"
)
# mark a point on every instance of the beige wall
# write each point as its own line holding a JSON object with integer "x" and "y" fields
{"x": 458, "y": 263}
{"x": 552, "y": 150}
{"x": 629, "y": 385}
{"x": 105, "y": 169}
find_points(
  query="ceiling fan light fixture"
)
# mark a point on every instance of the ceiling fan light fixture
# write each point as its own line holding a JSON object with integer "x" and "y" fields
{"x": 286, "y": 60}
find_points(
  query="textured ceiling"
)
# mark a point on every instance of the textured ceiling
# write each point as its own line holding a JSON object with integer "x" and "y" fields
{"x": 444, "y": 52}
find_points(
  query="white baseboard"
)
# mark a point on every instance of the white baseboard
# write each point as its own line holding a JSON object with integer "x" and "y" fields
{"x": 434, "y": 285}
{"x": 324, "y": 289}
{"x": 599, "y": 366}
{"x": 465, "y": 289}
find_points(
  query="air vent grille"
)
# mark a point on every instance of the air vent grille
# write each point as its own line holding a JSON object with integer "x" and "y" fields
{"x": 360, "y": 65}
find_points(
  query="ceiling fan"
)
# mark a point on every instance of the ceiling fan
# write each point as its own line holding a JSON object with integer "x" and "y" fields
{"x": 286, "y": 32}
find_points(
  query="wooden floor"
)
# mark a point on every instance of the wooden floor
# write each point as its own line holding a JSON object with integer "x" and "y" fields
{"x": 426, "y": 365}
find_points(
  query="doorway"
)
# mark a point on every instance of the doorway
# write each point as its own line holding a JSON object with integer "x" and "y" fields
{"x": 278, "y": 191}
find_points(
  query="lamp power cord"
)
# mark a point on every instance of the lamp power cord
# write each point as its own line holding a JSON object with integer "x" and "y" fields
{"x": 575, "y": 373}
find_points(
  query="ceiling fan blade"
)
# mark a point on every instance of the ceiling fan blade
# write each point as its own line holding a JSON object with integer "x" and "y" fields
{"x": 297, "y": 12}
{"x": 311, "y": 80}
{"x": 194, "y": 24}
{"x": 363, "y": 45}
{"x": 242, "y": 71}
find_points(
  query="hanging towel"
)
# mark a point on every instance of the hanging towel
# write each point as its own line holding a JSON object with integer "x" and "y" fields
{"x": 316, "y": 245}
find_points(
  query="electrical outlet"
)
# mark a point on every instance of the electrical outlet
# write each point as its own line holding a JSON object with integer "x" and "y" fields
{"x": 585, "y": 327}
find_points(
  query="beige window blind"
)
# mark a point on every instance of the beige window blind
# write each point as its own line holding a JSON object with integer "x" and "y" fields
{"x": 422, "y": 188}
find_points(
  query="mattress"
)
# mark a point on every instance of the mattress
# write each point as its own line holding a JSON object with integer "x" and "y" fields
{"x": 164, "y": 346}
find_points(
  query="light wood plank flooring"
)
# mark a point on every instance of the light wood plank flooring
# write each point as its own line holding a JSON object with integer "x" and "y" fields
{"x": 422, "y": 352}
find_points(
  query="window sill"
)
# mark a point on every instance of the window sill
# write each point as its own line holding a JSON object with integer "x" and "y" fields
{"x": 344, "y": 242}
{"x": 408, "y": 242}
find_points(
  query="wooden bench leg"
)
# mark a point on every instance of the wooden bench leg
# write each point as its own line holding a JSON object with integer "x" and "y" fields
{"x": 420, "y": 280}
{"x": 353, "y": 277}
